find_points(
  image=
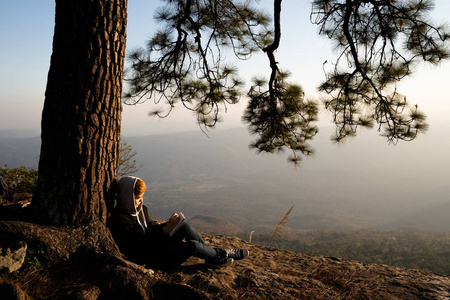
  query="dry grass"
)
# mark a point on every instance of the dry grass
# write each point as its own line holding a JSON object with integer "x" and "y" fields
{"x": 346, "y": 284}
{"x": 279, "y": 230}
{"x": 250, "y": 237}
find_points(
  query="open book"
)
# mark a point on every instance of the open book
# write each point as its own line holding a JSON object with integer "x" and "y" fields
{"x": 182, "y": 218}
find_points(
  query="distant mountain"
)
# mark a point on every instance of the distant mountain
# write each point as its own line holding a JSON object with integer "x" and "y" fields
{"x": 434, "y": 217}
{"x": 357, "y": 185}
{"x": 16, "y": 152}
{"x": 214, "y": 225}
{"x": 19, "y": 133}
{"x": 361, "y": 184}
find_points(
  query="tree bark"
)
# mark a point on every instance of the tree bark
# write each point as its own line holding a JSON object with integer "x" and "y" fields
{"x": 82, "y": 112}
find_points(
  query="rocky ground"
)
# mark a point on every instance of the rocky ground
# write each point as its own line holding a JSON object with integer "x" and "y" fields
{"x": 268, "y": 273}
{"x": 83, "y": 263}
{"x": 271, "y": 273}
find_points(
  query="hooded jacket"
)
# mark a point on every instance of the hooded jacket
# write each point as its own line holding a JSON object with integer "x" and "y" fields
{"x": 125, "y": 200}
{"x": 137, "y": 236}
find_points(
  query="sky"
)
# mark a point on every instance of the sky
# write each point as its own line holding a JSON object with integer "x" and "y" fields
{"x": 26, "y": 29}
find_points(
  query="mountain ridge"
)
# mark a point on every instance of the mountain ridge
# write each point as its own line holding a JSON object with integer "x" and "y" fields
{"x": 219, "y": 175}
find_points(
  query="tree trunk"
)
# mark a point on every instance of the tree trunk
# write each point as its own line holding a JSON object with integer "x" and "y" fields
{"x": 82, "y": 112}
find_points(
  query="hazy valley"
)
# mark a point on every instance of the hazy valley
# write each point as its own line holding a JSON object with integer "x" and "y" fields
{"x": 361, "y": 184}
{"x": 352, "y": 200}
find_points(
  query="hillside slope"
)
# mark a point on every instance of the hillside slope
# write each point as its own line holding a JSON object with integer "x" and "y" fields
{"x": 268, "y": 273}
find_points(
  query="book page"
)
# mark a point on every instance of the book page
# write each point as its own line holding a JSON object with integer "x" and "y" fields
{"x": 180, "y": 221}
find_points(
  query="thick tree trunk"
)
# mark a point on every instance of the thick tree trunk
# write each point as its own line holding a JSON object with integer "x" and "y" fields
{"x": 82, "y": 112}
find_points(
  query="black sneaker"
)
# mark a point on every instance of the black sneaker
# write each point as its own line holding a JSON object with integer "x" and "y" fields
{"x": 220, "y": 262}
{"x": 237, "y": 254}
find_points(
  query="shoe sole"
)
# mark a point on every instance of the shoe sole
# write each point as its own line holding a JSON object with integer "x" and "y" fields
{"x": 220, "y": 265}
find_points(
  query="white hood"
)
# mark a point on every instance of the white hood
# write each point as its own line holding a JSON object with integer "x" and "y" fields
{"x": 125, "y": 199}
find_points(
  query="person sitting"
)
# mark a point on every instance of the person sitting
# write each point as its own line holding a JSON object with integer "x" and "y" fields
{"x": 145, "y": 241}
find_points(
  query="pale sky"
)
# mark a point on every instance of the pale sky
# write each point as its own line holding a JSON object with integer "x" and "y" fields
{"x": 404, "y": 173}
{"x": 26, "y": 29}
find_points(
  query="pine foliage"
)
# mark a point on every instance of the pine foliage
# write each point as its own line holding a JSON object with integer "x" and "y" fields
{"x": 378, "y": 43}
{"x": 184, "y": 61}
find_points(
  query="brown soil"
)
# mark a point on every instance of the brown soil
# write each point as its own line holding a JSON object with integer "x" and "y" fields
{"x": 84, "y": 263}
{"x": 80, "y": 266}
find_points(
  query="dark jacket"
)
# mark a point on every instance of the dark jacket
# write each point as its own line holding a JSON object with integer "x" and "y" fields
{"x": 138, "y": 237}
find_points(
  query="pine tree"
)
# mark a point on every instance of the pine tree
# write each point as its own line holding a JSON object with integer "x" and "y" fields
{"x": 379, "y": 44}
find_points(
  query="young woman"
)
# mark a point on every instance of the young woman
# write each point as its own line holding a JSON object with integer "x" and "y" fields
{"x": 144, "y": 241}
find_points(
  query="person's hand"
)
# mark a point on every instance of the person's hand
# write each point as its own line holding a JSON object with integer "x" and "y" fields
{"x": 174, "y": 218}
{"x": 172, "y": 223}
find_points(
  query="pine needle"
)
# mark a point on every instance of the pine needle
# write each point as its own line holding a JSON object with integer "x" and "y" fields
{"x": 280, "y": 229}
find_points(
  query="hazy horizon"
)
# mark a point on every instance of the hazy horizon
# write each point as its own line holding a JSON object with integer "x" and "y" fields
{"x": 362, "y": 183}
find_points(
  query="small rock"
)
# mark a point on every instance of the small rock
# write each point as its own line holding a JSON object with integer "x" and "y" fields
{"x": 12, "y": 256}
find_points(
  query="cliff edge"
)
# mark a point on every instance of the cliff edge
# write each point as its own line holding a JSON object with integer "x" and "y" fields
{"x": 270, "y": 273}
{"x": 68, "y": 264}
